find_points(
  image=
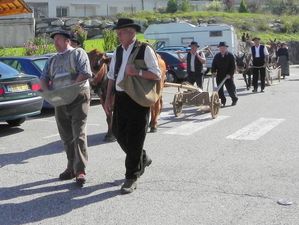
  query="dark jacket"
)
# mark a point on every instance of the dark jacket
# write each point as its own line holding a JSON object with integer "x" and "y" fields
{"x": 224, "y": 65}
{"x": 283, "y": 51}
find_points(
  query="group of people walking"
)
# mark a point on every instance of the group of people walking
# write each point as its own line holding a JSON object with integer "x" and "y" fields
{"x": 130, "y": 119}
{"x": 223, "y": 66}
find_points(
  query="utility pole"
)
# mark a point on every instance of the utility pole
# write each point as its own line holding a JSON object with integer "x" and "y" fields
{"x": 142, "y": 5}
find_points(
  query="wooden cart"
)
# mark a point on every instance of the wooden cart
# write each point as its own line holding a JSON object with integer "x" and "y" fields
{"x": 196, "y": 97}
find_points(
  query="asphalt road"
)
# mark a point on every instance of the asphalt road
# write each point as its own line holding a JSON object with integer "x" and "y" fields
{"x": 230, "y": 170}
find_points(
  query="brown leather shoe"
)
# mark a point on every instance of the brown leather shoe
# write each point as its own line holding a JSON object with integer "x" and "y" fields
{"x": 129, "y": 186}
{"x": 67, "y": 175}
{"x": 80, "y": 178}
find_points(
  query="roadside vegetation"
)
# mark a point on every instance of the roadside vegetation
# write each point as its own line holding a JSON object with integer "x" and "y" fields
{"x": 268, "y": 19}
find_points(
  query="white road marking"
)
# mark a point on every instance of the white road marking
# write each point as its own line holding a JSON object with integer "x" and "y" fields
{"x": 51, "y": 136}
{"x": 196, "y": 125}
{"x": 255, "y": 130}
{"x": 166, "y": 115}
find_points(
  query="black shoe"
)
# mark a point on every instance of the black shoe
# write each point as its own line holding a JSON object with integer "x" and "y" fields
{"x": 80, "y": 178}
{"x": 234, "y": 102}
{"x": 223, "y": 103}
{"x": 262, "y": 90}
{"x": 146, "y": 162}
{"x": 254, "y": 90}
{"x": 67, "y": 175}
{"x": 129, "y": 186}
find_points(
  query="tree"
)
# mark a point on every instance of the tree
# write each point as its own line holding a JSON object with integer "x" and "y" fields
{"x": 110, "y": 40}
{"x": 228, "y": 4}
{"x": 80, "y": 33}
{"x": 172, "y": 6}
{"x": 243, "y": 7}
{"x": 185, "y": 6}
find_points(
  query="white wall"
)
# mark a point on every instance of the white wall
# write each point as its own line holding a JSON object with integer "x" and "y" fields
{"x": 16, "y": 30}
{"x": 100, "y": 8}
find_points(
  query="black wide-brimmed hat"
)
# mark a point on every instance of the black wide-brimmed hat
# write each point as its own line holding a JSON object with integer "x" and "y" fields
{"x": 194, "y": 43}
{"x": 256, "y": 38}
{"x": 61, "y": 32}
{"x": 222, "y": 44}
{"x": 125, "y": 22}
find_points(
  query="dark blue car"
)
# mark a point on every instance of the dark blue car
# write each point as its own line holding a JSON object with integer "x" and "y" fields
{"x": 19, "y": 96}
{"x": 32, "y": 65}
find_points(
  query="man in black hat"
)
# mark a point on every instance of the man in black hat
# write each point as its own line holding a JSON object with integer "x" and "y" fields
{"x": 224, "y": 64}
{"x": 260, "y": 58}
{"x": 70, "y": 66}
{"x": 129, "y": 118}
{"x": 195, "y": 61}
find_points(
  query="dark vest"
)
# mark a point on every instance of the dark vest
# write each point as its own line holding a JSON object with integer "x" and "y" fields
{"x": 198, "y": 65}
{"x": 262, "y": 54}
{"x": 260, "y": 60}
{"x": 119, "y": 55}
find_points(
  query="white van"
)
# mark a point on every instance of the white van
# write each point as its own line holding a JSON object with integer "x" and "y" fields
{"x": 182, "y": 33}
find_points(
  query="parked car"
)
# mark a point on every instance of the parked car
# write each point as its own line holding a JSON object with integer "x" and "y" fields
{"x": 176, "y": 70}
{"x": 32, "y": 65}
{"x": 174, "y": 48}
{"x": 19, "y": 96}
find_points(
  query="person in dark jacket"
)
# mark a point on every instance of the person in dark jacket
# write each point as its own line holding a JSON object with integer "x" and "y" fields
{"x": 195, "y": 61}
{"x": 283, "y": 60}
{"x": 224, "y": 64}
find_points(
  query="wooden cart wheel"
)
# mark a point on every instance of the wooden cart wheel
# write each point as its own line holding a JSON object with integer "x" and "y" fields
{"x": 177, "y": 104}
{"x": 214, "y": 104}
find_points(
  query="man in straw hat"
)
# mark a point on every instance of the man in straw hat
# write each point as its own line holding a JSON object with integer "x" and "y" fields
{"x": 260, "y": 59}
{"x": 129, "y": 118}
{"x": 72, "y": 66}
{"x": 224, "y": 64}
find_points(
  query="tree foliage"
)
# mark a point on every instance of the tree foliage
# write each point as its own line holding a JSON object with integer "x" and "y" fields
{"x": 243, "y": 7}
{"x": 172, "y": 6}
{"x": 185, "y": 6}
{"x": 110, "y": 40}
{"x": 228, "y": 5}
{"x": 80, "y": 33}
{"x": 279, "y": 7}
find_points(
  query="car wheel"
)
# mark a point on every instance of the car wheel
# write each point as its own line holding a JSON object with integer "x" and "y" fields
{"x": 16, "y": 122}
{"x": 170, "y": 77}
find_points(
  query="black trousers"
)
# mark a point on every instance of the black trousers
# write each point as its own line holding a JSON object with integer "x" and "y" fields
{"x": 130, "y": 121}
{"x": 258, "y": 71}
{"x": 195, "y": 77}
{"x": 230, "y": 87}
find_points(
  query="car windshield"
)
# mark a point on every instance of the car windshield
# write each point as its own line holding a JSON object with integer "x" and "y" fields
{"x": 40, "y": 63}
{"x": 7, "y": 71}
{"x": 176, "y": 54}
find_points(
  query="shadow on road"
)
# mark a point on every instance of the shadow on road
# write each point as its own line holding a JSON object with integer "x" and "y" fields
{"x": 66, "y": 197}
{"x": 22, "y": 156}
{"x": 6, "y": 130}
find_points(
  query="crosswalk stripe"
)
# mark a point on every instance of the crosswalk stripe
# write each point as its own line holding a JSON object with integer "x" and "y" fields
{"x": 196, "y": 125}
{"x": 256, "y": 129}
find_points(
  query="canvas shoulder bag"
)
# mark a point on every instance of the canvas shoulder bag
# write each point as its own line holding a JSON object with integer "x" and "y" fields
{"x": 142, "y": 91}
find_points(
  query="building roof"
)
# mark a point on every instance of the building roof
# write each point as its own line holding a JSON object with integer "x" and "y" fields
{"x": 13, "y": 7}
